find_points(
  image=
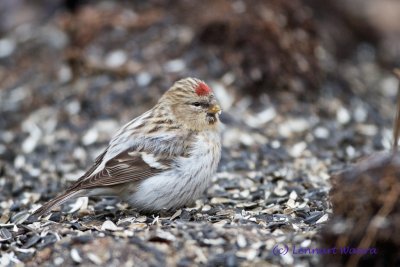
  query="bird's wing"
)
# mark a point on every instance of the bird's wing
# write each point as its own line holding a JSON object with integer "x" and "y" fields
{"x": 149, "y": 157}
{"x": 128, "y": 166}
{"x": 131, "y": 165}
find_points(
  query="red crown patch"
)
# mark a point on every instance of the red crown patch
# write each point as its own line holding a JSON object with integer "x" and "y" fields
{"x": 202, "y": 89}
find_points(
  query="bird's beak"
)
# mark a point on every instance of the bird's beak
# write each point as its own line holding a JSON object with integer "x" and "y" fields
{"x": 214, "y": 109}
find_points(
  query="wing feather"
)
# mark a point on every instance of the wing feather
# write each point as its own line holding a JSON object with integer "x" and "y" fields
{"x": 147, "y": 156}
{"x": 126, "y": 167}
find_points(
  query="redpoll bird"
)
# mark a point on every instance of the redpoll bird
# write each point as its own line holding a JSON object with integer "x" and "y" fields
{"x": 162, "y": 159}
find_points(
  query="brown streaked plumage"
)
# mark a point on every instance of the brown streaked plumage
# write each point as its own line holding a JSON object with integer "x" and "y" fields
{"x": 163, "y": 159}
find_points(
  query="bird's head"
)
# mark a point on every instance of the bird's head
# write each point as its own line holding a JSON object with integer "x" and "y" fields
{"x": 193, "y": 104}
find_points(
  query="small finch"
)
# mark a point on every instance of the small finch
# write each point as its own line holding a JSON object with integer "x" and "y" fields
{"x": 163, "y": 159}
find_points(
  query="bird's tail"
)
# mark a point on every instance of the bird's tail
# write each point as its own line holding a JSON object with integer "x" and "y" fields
{"x": 55, "y": 202}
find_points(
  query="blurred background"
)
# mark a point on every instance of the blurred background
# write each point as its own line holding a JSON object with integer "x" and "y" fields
{"x": 306, "y": 87}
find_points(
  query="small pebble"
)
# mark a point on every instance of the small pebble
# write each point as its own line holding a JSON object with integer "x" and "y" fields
{"x": 7, "y": 47}
{"x": 75, "y": 256}
{"x": 343, "y": 115}
{"x": 109, "y": 225}
{"x": 176, "y": 65}
{"x": 116, "y": 58}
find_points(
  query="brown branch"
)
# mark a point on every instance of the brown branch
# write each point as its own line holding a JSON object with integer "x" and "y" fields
{"x": 373, "y": 226}
{"x": 396, "y": 126}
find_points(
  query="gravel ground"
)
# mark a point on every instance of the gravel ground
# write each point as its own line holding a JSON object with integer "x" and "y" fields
{"x": 65, "y": 89}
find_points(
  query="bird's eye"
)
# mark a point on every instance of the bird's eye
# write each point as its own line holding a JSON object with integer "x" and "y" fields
{"x": 196, "y": 104}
